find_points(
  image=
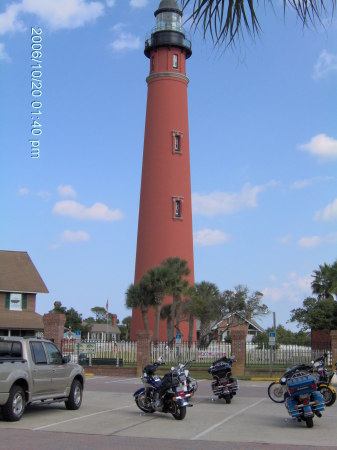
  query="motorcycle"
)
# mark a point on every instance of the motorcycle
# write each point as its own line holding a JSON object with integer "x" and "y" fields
{"x": 302, "y": 399}
{"x": 277, "y": 389}
{"x": 224, "y": 385}
{"x": 324, "y": 380}
{"x": 164, "y": 394}
{"x": 190, "y": 384}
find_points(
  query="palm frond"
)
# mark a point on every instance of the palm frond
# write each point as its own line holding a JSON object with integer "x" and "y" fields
{"x": 228, "y": 20}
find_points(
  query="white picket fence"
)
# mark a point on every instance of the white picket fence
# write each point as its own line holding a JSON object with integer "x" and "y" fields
{"x": 284, "y": 355}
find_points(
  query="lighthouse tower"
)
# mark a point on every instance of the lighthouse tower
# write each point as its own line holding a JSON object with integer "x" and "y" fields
{"x": 165, "y": 213}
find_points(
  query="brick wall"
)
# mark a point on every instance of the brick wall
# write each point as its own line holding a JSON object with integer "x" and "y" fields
{"x": 54, "y": 327}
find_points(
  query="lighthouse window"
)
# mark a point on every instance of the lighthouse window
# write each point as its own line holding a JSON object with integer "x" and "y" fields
{"x": 177, "y": 207}
{"x": 176, "y": 141}
{"x": 175, "y": 61}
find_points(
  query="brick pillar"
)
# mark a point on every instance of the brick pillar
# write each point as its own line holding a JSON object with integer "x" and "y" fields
{"x": 239, "y": 351}
{"x": 333, "y": 337}
{"x": 143, "y": 350}
{"x": 54, "y": 327}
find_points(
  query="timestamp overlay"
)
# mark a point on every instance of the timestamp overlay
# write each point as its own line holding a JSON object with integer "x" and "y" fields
{"x": 36, "y": 91}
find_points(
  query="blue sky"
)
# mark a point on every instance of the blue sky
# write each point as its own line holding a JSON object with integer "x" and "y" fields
{"x": 263, "y": 144}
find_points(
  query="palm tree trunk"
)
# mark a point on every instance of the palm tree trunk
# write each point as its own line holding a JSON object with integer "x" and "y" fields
{"x": 156, "y": 331}
{"x": 145, "y": 320}
{"x": 173, "y": 320}
{"x": 190, "y": 329}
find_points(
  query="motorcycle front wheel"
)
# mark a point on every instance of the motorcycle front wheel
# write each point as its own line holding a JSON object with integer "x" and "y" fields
{"x": 143, "y": 403}
{"x": 329, "y": 397}
{"x": 177, "y": 411}
{"x": 276, "y": 392}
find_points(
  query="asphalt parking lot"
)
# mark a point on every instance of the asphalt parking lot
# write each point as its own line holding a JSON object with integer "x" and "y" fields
{"x": 110, "y": 419}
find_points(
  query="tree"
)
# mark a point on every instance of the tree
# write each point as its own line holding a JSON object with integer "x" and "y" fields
{"x": 228, "y": 21}
{"x": 283, "y": 336}
{"x": 319, "y": 313}
{"x": 155, "y": 281}
{"x": 138, "y": 297}
{"x": 125, "y": 328}
{"x": 242, "y": 302}
{"x": 316, "y": 314}
{"x": 324, "y": 284}
{"x": 176, "y": 286}
{"x": 166, "y": 314}
{"x": 100, "y": 314}
{"x": 73, "y": 318}
{"x": 207, "y": 307}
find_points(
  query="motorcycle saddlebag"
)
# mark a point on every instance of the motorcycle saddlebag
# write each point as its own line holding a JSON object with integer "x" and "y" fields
{"x": 304, "y": 384}
{"x": 220, "y": 370}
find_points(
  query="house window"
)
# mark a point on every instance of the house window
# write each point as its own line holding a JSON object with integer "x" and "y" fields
{"x": 175, "y": 61}
{"x": 15, "y": 302}
{"x": 177, "y": 207}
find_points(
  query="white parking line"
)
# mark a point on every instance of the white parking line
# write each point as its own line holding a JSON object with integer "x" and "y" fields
{"x": 226, "y": 420}
{"x": 124, "y": 380}
{"x": 81, "y": 417}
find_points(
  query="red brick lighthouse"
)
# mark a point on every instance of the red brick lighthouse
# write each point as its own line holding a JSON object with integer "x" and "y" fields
{"x": 165, "y": 213}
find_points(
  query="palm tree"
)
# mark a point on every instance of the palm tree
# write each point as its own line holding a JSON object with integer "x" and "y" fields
{"x": 176, "y": 285}
{"x": 324, "y": 282}
{"x": 226, "y": 21}
{"x": 166, "y": 314}
{"x": 189, "y": 309}
{"x": 137, "y": 296}
{"x": 154, "y": 281}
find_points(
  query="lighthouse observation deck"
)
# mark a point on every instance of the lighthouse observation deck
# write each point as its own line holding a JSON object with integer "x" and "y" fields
{"x": 168, "y": 30}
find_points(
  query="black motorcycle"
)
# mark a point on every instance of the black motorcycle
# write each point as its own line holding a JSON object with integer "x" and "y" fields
{"x": 166, "y": 394}
{"x": 224, "y": 385}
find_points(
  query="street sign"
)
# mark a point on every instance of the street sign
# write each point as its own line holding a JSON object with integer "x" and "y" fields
{"x": 87, "y": 347}
{"x": 178, "y": 339}
{"x": 272, "y": 338}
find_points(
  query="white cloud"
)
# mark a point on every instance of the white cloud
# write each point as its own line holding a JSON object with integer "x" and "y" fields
{"x": 66, "y": 190}
{"x": 9, "y": 19}
{"x": 292, "y": 290}
{"x": 326, "y": 64}
{"x": 56, "y": 14}
{"x": 209, "y": 237}
{"x": 309, "y": 241}
{"x": 126, "y": 41}
{"x": 118, "y": 27}
{"x": 314, "y": 241}
{"x": 328, "y": 213}
{"x": 44, "y": 194}
{"x": 98, "y": 211}
{"x": 138, "y": 3}
{"x": 302, "y": 184}
{"x": 226, "y": 203}
{"x": 284, "y": 240}
{"x": 323, "y": 146}
{"x": 75, "y": 236}
{"x": 23, "y": 191}
{"x": 3, "y": 54}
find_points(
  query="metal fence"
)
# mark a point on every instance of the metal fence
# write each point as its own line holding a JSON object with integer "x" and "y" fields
{"x": 125, "y": 353}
